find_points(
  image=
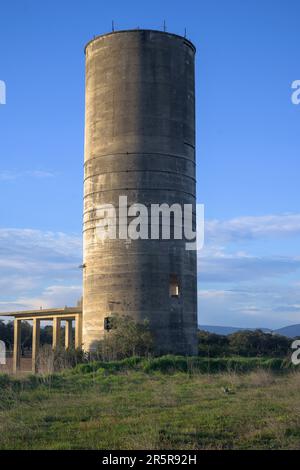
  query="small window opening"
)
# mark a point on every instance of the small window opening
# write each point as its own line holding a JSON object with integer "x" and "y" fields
{"x": 174, "y": 286}
{"x": 108, "y": 323}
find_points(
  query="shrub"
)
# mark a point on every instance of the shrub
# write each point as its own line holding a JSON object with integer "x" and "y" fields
{"x": 258, "y": 343}
{"x": 126, "y": 339}
{"x": 213, "y": 345}
{"x": 243, "y": 343}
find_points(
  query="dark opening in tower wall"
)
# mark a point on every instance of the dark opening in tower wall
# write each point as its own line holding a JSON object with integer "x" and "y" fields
{"x": 174, "y": 286}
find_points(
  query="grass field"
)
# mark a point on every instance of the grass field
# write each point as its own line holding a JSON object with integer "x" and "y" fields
{"x": 127, "y": 405}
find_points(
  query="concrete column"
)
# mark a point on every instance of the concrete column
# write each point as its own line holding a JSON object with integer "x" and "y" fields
{"x": 68, "y": 334}
{"x": 35, "y": 343}
{"x": 56, "y": 332}
{"x": 78, "y": 330}
{"x": 17, "y": 346}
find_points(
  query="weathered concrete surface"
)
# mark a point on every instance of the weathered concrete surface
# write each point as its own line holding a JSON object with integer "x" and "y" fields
{"x": 139, "y": 142}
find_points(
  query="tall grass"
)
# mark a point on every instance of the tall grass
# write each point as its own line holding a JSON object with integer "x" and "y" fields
{"x": 172, "y": 364}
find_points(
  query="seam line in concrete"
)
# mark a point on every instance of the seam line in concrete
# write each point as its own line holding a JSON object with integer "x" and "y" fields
{"x": 138, "y": 189}
{"x": 115, "y": 154}
{"x": 141, "y": 171}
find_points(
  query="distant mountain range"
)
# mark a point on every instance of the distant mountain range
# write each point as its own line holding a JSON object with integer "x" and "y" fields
{"x": 290, "y": 331}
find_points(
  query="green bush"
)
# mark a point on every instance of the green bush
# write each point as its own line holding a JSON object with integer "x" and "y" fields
{"x": 243, "y": 343}
{"x": 111, "y": 366}
{"x": 126, "y": 339}
{"x": 213, "y": 345}
{"x": 172, "y": 364}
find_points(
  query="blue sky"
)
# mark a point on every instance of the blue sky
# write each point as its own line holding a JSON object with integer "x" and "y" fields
{"x": 247, "y": 149}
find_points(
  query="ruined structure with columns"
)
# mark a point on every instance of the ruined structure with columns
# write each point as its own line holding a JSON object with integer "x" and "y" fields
{"x": 56, "y": 315}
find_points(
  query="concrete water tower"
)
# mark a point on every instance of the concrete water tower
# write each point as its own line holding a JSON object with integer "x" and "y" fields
{"x": 139, "y": 143}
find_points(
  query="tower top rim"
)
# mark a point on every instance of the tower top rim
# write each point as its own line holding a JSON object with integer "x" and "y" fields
{"x": 136, "y": 30}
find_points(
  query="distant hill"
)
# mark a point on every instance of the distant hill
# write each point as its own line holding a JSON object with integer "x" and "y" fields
{"x": 289, "y": 331}
{"x": 228, "y": 330}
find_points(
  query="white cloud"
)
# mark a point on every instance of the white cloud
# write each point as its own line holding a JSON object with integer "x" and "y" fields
{"x": 239, "y": 268}
{"x": 51, "y": 297}
{"x": 237, "y": 287}
{"x": 10, "y": 175}
{"x": 223, "y": 258}
{"x": 18, "y": 243}
{"x": 213, "y": 294}
{"x": 38, "y": 268}
{"x": 254, "y": 305}
{"x": 249, "y": 228}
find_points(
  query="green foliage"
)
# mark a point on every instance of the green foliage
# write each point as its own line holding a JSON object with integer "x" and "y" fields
{"x": 46, "y": 335}
{"x": 243, "y": 343}
{"x": 213, "y": 345}
{"x": 126, "y": 339}
{"x": 130, "y": 363}
{"x": 172, "y": 364}
{"x": 258, "y": 343}
{"x": 7, "y": 334}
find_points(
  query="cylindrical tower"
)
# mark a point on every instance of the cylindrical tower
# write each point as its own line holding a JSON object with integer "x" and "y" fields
{"x": 139, "y": 143}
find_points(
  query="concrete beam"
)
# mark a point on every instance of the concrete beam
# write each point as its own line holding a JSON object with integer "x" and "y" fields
{"x": 50, "y": 312}
{"x": 47, "y": 317}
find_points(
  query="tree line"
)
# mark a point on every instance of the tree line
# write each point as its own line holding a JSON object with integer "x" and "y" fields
{"x": 243, "y": 343}
{"x": 128, "y": 338}
{"x": 7, "y": 334}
